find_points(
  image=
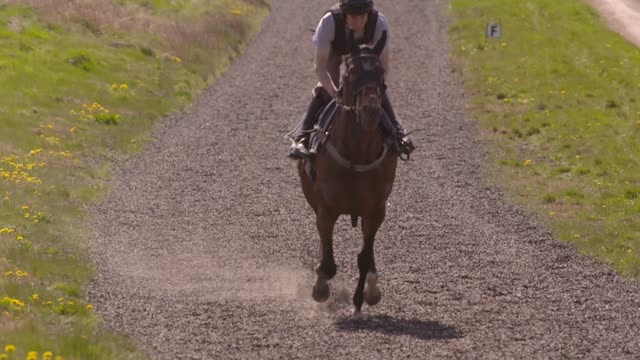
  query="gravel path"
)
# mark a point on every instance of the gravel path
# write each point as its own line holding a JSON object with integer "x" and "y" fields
{"x": 201, "y": 254}
{"x": 622, "y": 16}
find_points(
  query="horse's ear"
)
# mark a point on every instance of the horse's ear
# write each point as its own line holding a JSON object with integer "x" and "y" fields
{"x": 377, "y": 49}
{"x": 351, "y": 42}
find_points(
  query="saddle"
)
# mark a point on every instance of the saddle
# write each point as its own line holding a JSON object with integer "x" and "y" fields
{"x": 320, "y": 133}
{"x": 323, "y": 125}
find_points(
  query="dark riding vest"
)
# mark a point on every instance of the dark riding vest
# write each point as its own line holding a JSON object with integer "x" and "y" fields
{"x": 339, "y": 44}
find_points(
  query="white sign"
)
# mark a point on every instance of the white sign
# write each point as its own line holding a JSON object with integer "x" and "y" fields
{"x": 494, "y": 30}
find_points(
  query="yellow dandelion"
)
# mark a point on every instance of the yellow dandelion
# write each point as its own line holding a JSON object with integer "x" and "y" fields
{"x": 32, "y": 355}
{"x": 236, "y": 11}
{"x": 4, "y": 356}
{"x": 577, "y": 236}
{"x": 21, "y": 273}
{"x": 8, "y": 273}
{"x": 47, "y": 355}
{"x": 27, "y": 215}
{"x": 35, "y": 297}
{"x": 527, "y": 163}
{"x": 114, "y": 86}
{"x": 89, "y": 307}
{"x": 551, "y": 213}
{"x": 629, "y": 251}
{"x": 9, "y": 348}
{"x": 124, "y": 86}
{"x": 14, "y": 302}
{"x": 19, "y": 238}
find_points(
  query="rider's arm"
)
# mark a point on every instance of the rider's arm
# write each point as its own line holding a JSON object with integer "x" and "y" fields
{"x": 322, "y": 70}
{"x": 384, "y": 59}
{"x": 381, "y": 27}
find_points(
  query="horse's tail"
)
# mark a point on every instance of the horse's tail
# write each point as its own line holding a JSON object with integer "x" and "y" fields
{"x": 354, "y": 220}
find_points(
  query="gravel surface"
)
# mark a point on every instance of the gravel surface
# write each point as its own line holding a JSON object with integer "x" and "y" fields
{"x": 206, "y": 246}
{"x": 622, "y": 16}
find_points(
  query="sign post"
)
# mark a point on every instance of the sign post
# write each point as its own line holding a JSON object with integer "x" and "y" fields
{"x": 494, "y": 30}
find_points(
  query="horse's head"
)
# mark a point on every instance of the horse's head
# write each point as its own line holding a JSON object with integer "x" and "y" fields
{"x": 363, "y": 82}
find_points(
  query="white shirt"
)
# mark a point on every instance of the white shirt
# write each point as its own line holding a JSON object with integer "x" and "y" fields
{"x": 326, "y": 30}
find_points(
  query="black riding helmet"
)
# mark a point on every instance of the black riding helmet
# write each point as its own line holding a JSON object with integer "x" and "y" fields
{"x": 356, "y": 7}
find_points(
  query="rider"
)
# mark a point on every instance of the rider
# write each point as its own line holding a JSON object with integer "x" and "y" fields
{"x": 330, "y": 39}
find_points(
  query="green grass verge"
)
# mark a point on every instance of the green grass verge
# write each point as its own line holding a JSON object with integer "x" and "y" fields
{"x": 558, "y": 97}
{"x": 78, "y": 98}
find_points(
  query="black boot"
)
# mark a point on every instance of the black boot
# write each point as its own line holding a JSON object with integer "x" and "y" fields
{"x": 403, "y": 141}
{"x": 299, "y": 148}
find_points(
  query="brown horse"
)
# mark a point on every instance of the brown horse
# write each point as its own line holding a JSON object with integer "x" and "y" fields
{"x": 354, "y": 172}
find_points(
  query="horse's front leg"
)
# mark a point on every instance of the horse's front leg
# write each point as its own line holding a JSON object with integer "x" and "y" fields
{"x": 326, "y": 268}
{"x": 367, "y": 288}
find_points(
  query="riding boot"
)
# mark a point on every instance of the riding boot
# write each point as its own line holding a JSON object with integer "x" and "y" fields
{"x": 299, "y": 148}
{"x": 403, "y": 141}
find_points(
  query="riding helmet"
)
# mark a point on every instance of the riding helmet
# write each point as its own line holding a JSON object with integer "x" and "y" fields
{"x": 356, "y": 7}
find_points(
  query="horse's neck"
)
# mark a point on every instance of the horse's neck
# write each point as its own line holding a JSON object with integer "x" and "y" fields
{"x": 354, "y": 143}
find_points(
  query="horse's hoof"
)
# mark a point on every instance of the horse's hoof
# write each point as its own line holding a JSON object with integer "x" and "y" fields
{"x": 320, "y": 292}
{"x": 372, "y": 293}
{"x": 372, "y": 296}
{"x": 357, "y": 315}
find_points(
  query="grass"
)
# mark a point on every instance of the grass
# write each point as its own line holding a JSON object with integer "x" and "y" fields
{"x": 558, "y": 99}
{"x": 82, "y": 84}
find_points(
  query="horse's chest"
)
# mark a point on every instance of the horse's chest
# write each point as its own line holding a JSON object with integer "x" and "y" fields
{"x": 358, "y": 191}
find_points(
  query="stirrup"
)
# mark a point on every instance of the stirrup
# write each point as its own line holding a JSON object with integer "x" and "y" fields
{"x": 405, "y": 147}
{"x": 297, "y": 150}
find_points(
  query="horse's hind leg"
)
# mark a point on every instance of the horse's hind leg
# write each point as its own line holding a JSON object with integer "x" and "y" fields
{"x": 367, "y": 288}
{"x": 326, "y": 268}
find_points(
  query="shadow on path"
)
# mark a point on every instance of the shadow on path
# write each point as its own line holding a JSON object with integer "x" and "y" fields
{"x": 424, "y": 330}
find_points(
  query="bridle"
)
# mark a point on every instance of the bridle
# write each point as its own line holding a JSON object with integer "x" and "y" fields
{"x": 368, "y": 63}
{"x": 369, "y": 86}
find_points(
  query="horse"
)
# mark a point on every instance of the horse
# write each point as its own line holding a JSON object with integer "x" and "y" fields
{"x": 354, "y": 172}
